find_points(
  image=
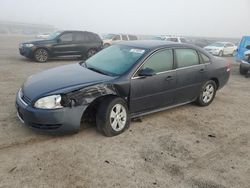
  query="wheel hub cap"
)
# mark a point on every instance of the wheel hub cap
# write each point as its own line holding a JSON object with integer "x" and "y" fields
{"x": 118, "y": 117}
{"x": 208, "y": 93}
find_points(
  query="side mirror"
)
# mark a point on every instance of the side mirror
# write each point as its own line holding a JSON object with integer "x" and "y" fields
{"x": 146, "y": 72}
{"x": 248, "y": 47}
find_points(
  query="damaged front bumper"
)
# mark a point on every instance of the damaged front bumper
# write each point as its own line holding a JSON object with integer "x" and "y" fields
{"x": 58, "y": 121}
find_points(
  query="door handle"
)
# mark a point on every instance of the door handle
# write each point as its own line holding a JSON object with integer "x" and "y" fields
{"x": 202, "y": 70}
{"x": 169, "y": 78}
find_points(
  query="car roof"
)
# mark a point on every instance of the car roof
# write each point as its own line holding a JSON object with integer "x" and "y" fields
{"x": 154, "y": 44}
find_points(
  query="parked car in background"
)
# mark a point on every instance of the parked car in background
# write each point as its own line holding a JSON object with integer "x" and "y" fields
{"x": 245, "y": 41}
{"x": 111, "y": 39}
{"x": 175, "y": 39}
{"x": 126, "y": 80}
{"x": 245, "y": 62}
{"x": 62, "y": 43}
{"x": 221, "y": 48}
{"x": 43, "y": 36}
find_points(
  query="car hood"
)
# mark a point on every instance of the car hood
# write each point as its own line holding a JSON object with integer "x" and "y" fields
{"x": 39, "y": 41}
{"x": 61, "y": 80}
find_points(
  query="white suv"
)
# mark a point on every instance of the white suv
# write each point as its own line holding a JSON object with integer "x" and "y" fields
{"x": 175, "y": 39}
{"x": 114, "y": 38}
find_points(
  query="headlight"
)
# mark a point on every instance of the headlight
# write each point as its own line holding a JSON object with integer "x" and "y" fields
{"x": 29, "y": 45}
{"x": 50, "y": 102}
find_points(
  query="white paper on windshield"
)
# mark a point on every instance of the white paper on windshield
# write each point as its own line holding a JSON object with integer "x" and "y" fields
{"x": 138, "y": 51}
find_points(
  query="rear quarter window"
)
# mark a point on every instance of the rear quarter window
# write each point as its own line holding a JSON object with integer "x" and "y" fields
{"x": 205, "y": 58}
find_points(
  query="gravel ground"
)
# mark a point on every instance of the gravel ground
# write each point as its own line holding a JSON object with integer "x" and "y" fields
{"x": 184, "y": 147}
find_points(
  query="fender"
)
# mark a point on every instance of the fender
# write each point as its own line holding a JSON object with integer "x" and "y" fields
{"x": 87, "y": 95}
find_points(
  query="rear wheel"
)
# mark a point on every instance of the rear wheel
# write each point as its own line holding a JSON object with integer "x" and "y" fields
{"x": 207, "y": 93}
{"x": 112, "y": 116}
{"x": 220, "y": 53}
{"x": 41, "y": 55}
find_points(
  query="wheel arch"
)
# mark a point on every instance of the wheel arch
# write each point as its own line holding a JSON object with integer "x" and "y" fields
{"x": 216, "y": 81}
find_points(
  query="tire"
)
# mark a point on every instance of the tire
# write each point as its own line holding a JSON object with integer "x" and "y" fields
{"x": 109, "y": 120}
{"x": 106, "y": 45}
{"x": 220, "y": 53}
{"x": 41, "y": 55}
{"x": 207, "y": 93}
{"x": 243, "y": 71}
{"x": 91, "y": 52}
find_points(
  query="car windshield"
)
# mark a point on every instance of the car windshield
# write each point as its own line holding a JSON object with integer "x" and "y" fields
{"x": 54, "y": 35}
{"x": 109, "y": 36}
{"x": 217, "y": 44}
{"x": 115, "y": 60}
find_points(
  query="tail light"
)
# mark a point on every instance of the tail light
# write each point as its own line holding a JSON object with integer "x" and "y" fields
{"x": 228, "y": 66}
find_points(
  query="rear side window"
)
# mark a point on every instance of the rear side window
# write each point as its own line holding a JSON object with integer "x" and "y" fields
{"x": 117, "y": 37}
{"x": 67, "y": 37}
{"x": 124, "y": 37}
{"x": 160, "y": 61}
{"x": 78, "y": 37}
{"x": 183, "y": 40}
{"x": 186, "y": 57}
{"x": 132, "y": 37}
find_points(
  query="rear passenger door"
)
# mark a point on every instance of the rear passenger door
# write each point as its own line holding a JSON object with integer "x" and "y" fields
{"x": 190, "y": 74}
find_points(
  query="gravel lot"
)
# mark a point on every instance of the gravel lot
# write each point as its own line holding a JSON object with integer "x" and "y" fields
{"x": 184, "y": 147}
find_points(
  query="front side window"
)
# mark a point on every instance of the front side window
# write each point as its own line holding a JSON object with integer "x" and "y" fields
{"x": 115, "y": 60}
{"x": 67, "y": 37}
{"x": 160, "y": 61}
{"x": 186, "y": 57}
{"x": 132, "y": 37}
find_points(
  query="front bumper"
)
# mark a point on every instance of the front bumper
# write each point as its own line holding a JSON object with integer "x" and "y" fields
{"x": 58, "y": 121}
{"x": 27, "y": 52}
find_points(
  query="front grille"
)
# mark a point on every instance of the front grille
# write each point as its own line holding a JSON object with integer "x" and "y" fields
{"x": 45, "y": 126}
{"x": 23, "y": 98}
{"x": 26, "y": 99}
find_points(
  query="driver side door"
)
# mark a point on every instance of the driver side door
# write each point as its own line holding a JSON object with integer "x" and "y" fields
{"x": 157, "y": 90}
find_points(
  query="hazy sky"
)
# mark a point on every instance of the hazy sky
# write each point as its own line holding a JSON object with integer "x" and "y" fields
{"x": 218, "y": 18}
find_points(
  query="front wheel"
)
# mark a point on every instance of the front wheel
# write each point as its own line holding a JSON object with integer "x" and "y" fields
{"x": 113, "y": 116}
{"x": 207, "y": 93}
{"x": 41, "y": 55}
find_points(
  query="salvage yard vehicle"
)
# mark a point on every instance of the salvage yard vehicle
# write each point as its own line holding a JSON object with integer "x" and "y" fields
{"x": 124, "y": 81}
{"x": 245, "y": 62}
{"x": 111, "y": 39}
{"x": 222, "y": 48}
{"x": 62, "y": 43}
{"x": 242, "y": 48}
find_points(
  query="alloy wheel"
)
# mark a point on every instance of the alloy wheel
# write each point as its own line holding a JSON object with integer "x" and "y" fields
{"x": 118, "y": 117}
{"x": 208, "y": 93}
{"x": 41, "y": 55}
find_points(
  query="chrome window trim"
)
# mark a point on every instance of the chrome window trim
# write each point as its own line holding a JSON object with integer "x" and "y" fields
{"x": 201, "y": 63}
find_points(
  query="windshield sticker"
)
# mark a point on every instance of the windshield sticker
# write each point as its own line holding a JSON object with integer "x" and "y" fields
{"x": 138, "y": 51}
